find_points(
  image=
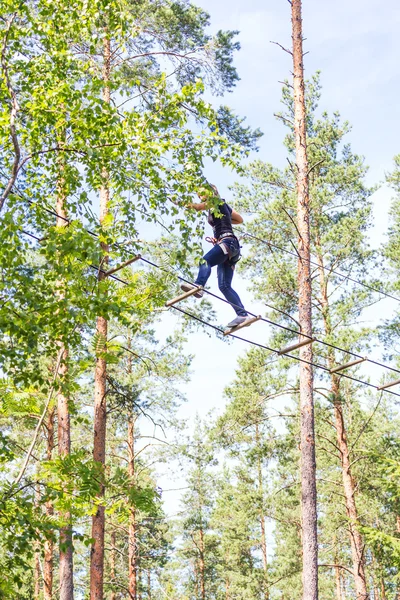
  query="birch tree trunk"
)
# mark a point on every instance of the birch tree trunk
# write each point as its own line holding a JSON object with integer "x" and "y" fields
{"x": 48, "y": 564}
{"x": 100, "y": 380}
{"x": 66, "y": 568}
{"x": 307, "y": 436}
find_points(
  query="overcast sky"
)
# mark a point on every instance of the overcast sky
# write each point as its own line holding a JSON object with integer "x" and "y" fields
{"x": 355, "y": 46}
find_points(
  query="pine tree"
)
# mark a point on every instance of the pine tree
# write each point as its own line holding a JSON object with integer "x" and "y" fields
{"x": 337, "y": 240}
{"x": 200, "y": 547}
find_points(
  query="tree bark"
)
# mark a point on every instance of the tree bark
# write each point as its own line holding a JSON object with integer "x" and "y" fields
{"x": 100, "y": 381}
{"x": 338, "y": 580}
{"x": 48, "y": 565}
{"x": 307, "y": 435}
{"x": 383, "y": 590}
{"x": 263, "y": 540}
{"x": 132, "y": 552}
{"x": 356, "y": 542}
{"x": 349, "y": 488}
{"x": 202, "y": 565}
{"x": 112, "y": 565}
{"x": 338, "y": 575}
{"x": 66, "y": 567}
{"x": 227, "y": 589}
{"x": 37, "y": 573}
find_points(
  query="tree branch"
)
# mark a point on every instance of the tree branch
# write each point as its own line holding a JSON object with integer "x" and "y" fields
{"x": 40, "y": 423}
{"x": 315, "y": 165}
{"x": 283, "y": 47}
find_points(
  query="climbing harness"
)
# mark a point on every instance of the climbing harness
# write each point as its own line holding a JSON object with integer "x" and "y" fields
{"x": 232, "y": 259}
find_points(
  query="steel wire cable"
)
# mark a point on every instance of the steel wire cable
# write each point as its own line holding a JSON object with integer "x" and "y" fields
{"x": 273, "y": 323}
{"x": 250, "y": 235}
{"x": 274, "y": 350}
{"x": 315, "y": 264}
{"x": 313, "y": 364}
{"x": 279, "y": 325}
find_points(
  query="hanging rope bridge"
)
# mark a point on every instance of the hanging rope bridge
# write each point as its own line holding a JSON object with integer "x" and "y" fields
{"x": 280, "y": 352}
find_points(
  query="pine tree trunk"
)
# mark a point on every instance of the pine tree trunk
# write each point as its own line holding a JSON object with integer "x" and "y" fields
{"x": 132, "y": 538}
{"x": 356, "y": 542}
{"x": 132, "y": 552}
{"x": 202, "y": 573}
{"x": 227, "y": 589}
{"x": 338, "y": 575}
{"x": 196, "y": 578}
{"x": 263, "y": 541}
{"x": 66, "y": 568}
{"x": 349, "y": 488}
{"x": 307, "y": 436}
{"x": 37, "y": 573}
{"x": 100, "y": 380}
{"x": 338, "y": 580}
{"x": 48, "y": 565}
{"x": 112, "y": 563}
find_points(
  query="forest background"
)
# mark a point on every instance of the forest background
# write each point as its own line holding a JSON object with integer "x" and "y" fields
{"x": 355, "y": 49}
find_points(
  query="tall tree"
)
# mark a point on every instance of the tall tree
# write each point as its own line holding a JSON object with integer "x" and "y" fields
{"x": 340, "y": 217}
{"x": 200, "y": 547}
{"x": 48, "y": 562}
{"x": 307, "y": 442}
{"x": 245, "y": 430}
{"x": 66, "y": 573}
{"x": 100, "y": 378}
{"x": 123, "y": 149}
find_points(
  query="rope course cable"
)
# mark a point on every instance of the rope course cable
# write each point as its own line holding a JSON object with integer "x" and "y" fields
{"x": 273, "y": 323}
{"x": 315, "y": 264}
{"x": 279, "y": 325}
{"x": 249, "y": 235}
{"x": 220, "y": 330}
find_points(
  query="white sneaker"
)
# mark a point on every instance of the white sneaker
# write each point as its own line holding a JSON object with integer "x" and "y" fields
{"x": 238, "y": 321}
{"x": 186, "y": 287}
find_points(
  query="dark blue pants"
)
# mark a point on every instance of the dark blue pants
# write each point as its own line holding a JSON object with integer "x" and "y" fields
{"x": 225, "y": 271}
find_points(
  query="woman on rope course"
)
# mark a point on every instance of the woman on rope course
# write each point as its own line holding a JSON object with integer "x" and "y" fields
{"x": 225, "y": 253}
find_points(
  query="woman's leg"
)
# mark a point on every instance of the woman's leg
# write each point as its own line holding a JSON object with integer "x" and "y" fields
{"x": 215, "y": 257}
{"x": 225, "y": 275}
